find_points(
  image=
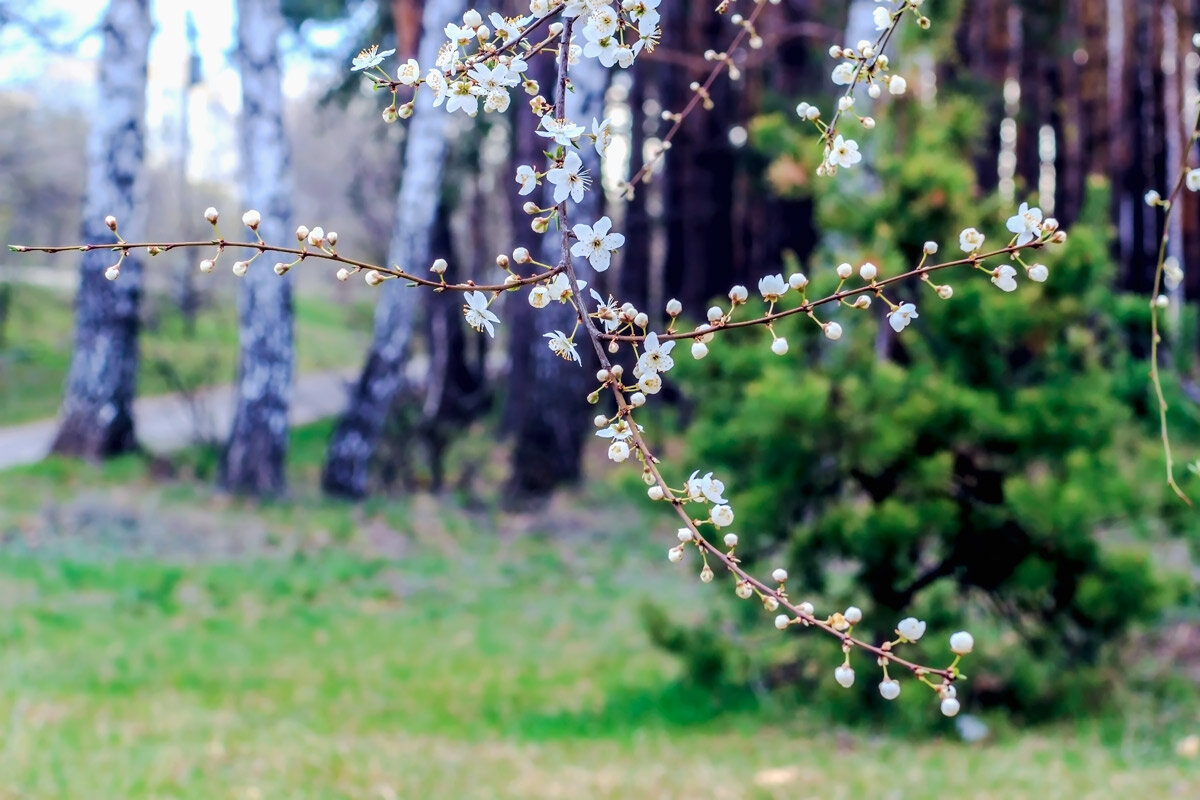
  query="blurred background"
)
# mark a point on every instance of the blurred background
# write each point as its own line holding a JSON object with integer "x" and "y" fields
{"x": 293, "y": 537}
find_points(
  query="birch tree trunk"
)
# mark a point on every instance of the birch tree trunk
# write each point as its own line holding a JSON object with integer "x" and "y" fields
{"x": 357, "y": 434}
{"x": 549, "y": 413}
{"x": 253, "y": 460}
{"x": 96, "y": 419}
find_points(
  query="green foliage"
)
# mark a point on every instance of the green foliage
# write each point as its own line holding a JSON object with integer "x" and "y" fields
{"x": 975, "y": 470}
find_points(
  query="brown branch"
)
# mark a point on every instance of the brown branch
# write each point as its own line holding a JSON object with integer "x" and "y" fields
{"x": 263, "y": 247}
{"x": 807, "y": 307}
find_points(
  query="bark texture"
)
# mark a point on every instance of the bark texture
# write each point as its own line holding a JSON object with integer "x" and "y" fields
{"x": 549, "y": 412}
{"x": 253, "y": 460}
{"x": 357, "y": 433}
{"x": 96, "y": 420}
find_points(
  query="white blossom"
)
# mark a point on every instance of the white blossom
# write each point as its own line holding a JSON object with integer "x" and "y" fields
{"x": 772, "y": 287}
{"x": 477, "y": 314}
{"x": 722, "y": 516}
{"x": 882, "y": 18}
{"x": 603, "y": 133}
{"x": 970, "y": 240}
{"x": 1193, "y": 180}
{"x": 409, "y": 73}
{"x": 562, "y": 347}
{"x": 562, "y": 131}
{"x": 900, "y": 316}
{"x": 656, "y": 356}
{"x": 843, "y": 75}
{"x": 596, "y": 244}
{"x": 1026, "y": 224}
{"x": 911, "y": 629}
{"x": 1005, "y": 278}
{"x": 370, "y": 57}
{"x": 844, "y": 152}
{"x": 706, "y": 488}
{"x": 569, "y": 180}
{"x": 1038, "y": 273}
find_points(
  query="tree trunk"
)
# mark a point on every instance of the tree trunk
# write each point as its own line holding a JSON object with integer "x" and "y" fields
{"x": 253, "y": 461}
{"x": 97, "y": 411}
{"x": 550, "y": 414}
{"x": 357, "y": 433}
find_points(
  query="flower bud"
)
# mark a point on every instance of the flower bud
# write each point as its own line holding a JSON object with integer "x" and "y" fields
{"x": 439, "y": 266}
{"x": 782, "y": 621}
{"x": 699, "y": 350}
{"x": 797, "y": 280}
{"x": 211, "y": 215}
{"x": 889, "y": 689}
{"x": 738, "y": 294}
{"x": 930, "y": 248}
{"x": 281, "y": 268}
{"x": 331, "y": 238}
{"x": 731, "y": 540}
{"x": 251, "y": 219}
{"x": 779, "y": 346}
{"x": 844, "y": 675}
{"x": 833, "y": 331}
{"x": 206, "y": 265}
{"x": 390, "y": 114}
{"x": 240, "y": 268}
{"x": 950, "y": 706}
{"x": 962, "y": 643}
{"x": 715, "y": 315}
{"x": 655, "y": 492}
{"x": 779, "y": 575}
{"x": 868, "y": 271}
{"x": 502, "y": 261}
{"x": 641, "y": 319}
{"x": 675, "y": 554}
{"x": 674, "y": 307}
{"x": 637, "y": 399}
{"x": 373, "y": 277}
{"x": 113, "y": 272}
{"x": 111, "y": 222}
{"x": 945, "y": 291}
{"x": 343, "y": 274}
{"x": 301, "y": 233}
{"x": 844, "y": 270}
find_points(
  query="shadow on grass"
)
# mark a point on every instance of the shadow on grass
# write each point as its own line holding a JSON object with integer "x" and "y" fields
{"x": 627, "y": 711}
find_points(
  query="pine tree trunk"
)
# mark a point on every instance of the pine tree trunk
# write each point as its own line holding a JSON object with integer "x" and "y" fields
{"x": 552, "y": 418}
{"x": 253, "y": 460}
{"x": 96, "y": 420}
{"x": 357, "y": 433}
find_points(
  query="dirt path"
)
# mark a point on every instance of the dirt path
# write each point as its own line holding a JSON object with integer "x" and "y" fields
{"x": 169, "y": 422}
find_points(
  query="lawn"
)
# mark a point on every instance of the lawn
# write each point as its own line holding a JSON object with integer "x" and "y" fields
{"x": 35, "y": 346}
{"x": 161, "y": 641}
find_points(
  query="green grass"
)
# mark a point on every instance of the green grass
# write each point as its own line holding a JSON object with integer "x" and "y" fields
{"x": 36, "y": 348}
{"x": 160, "y": 641}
